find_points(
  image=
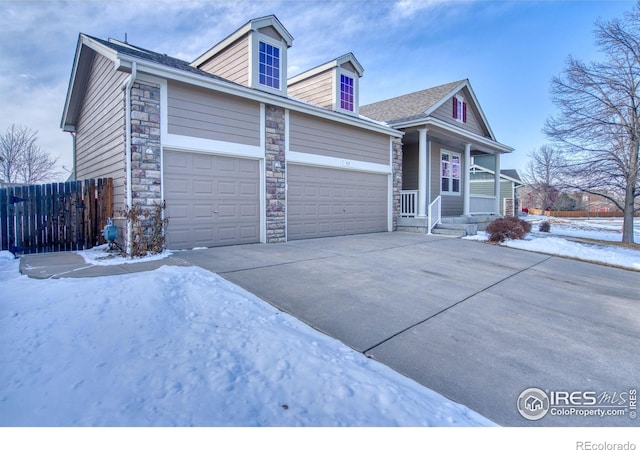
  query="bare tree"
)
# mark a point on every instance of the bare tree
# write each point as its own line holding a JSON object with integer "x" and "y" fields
{"x": 598, "y": 124}
{"x": 21, "y": 159}
{"x": 543, "y": 175}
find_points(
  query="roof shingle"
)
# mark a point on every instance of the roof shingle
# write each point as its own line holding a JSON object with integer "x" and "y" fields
{"x": 408, "y": 106}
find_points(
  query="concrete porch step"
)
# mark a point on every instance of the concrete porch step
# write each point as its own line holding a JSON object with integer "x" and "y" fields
{"x": 456, "y": 229}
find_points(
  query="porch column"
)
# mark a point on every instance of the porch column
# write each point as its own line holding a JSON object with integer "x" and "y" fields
{"x": 466, "y": 175}
{"x": 422, "y": 173}
{"x": 497, "y": 183}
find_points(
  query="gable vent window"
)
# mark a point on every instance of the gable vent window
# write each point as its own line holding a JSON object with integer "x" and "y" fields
{"x": 269, "y": 67}
{"x": 346, "y": 93}
{"x": 459, "y": 109}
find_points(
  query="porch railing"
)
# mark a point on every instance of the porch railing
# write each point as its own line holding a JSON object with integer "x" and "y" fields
{"x": 435, "y": 213}
{"x": 408, "y": 203}
{"x": 482, "y": 204}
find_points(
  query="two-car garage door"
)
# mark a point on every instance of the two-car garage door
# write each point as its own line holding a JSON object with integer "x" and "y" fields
{"x": 211, "y": 200}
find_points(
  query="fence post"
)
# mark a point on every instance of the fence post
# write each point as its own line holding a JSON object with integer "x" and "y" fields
{"x": 4, "y": 213}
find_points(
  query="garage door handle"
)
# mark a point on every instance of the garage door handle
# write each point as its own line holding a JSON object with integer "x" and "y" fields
{"x": 216, "y": 212}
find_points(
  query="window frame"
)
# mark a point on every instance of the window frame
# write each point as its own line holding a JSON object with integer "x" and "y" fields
{"x": 451, "y": 170}
{"x": 459, "y": 110}
{"x": 255, "y": 40}
{"x": 277, "y": 78}
{"x": 339, "y": 73}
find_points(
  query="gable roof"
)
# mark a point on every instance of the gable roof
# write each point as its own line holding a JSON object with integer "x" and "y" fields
{"x": 252, "y": 25}
{"x": 346, "y": 58}
{"x": 125, "y": 56}
{"x": 411, "y": 108}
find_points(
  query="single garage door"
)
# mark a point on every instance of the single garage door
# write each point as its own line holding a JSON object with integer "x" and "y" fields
{"x": 211, "y": 200}
{"x": 332, "y": 202}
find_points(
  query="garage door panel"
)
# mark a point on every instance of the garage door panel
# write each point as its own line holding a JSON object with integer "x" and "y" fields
{"x": 331, "y": 202}
{"x": 198, "y": 185}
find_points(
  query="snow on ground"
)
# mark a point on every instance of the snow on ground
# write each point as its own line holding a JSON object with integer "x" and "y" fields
{"x": 555, "y": 242}
{"x": 180, "y": 346}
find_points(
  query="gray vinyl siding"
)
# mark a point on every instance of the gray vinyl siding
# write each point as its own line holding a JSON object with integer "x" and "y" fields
{"x": 410, "y": 166}
{"x": 473, "y": 123}
{"x": 270, "y": 32}
{"x": 232, "y": 63}
{"x": 201, "y": 113}
{"x": 309, "y": 134}
{"x": 482, "y": 187}
{"x": 317, "y": 90}
{"x": 452, "y": 205}
{"x": 486, "y": 161}
{"x": 100, "y": 137}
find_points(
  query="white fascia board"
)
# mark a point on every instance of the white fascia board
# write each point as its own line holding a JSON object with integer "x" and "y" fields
{"x": 251, "y": 94}
{"x": 311, "y": 72}
{"x": 222, "y": 44}
{"x": 310, "y": 159}
{"x": 494, "y": 146}
{"x": 84, "y": 41}
{"x": 349, "y": 57}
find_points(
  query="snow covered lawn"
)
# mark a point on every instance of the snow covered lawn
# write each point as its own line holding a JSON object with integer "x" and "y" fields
{"x": 556, "y": 243}
{"x": 181, "y": 346}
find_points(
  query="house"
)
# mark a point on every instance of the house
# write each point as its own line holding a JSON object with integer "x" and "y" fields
{"x": 444, "y": 128}
{"x": 482, "y": 183}
{"x": 239, "y": 153}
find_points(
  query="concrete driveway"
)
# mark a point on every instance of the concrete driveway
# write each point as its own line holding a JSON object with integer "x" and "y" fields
{"x": 477, "y": 323}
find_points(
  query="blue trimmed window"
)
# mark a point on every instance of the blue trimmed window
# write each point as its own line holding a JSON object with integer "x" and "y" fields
{"x": 269, "y": 66}
{"x": 346, "y": 93}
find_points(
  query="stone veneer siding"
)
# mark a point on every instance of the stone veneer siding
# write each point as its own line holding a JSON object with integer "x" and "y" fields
{"x": 145, "y": 144}
{"x": 396, "y": 161}
{"x": 275, "y": 179}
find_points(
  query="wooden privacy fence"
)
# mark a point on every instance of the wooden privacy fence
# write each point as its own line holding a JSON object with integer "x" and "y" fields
{"x": 55, "y": 217}
{"x": 592, "y": 214}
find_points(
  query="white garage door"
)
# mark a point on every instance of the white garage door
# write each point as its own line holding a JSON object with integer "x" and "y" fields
{"x": 211, "y": 200}
{"x": 331, "y": 202}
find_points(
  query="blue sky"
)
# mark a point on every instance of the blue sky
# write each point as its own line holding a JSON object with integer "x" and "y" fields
{"x": 509, "y": 50}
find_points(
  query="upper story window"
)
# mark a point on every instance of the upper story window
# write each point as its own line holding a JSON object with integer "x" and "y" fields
{"x": 449, "y": 173}
{"x": 347, "y": 97}
{"x": 459, "y": 109}
{"x": 269, "y": 65}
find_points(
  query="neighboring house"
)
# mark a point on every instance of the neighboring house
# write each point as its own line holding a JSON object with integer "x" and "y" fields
{"x": 482, "y": 180}
{"x": 444, "y": 128}
{"x": 224, "y": 142}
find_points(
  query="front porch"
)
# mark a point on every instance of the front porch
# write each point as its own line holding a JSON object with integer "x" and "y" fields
{"x": 436, "y": 182}
{"x": 481, "y": 214}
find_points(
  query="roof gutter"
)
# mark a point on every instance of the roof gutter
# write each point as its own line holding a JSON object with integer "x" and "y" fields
{"x": 444, "y": 126}
{"x": 234, "y": 89}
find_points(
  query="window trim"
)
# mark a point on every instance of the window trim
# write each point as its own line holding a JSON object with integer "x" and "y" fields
{"x": 277, "y": 79}
{"x": 339, "y": 72}
{"x": 459, "y": 109}
{"x": 449, "y": 191}
{"x": 254, "y": 67}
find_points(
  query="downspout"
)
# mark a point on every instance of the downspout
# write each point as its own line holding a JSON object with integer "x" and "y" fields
{"x": 127, "y": 87}
{"x": 75, "y": 166}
